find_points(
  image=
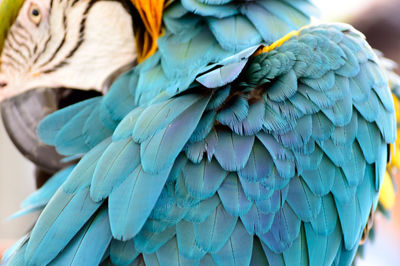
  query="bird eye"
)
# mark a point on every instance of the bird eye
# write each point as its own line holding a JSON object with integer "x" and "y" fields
{"x": 35, "y": 14}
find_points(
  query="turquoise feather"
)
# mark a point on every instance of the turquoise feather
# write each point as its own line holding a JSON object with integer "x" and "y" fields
{"x": 93, "y": 239}
{"x": 302, "y": 200}
{"x": 43, "y": 195}
{"x": 232, "y": 196}
{"x": 212, "y": 234}
{"x": 52, "y": 124}
{"x": 73, "y": 209}
{"x": 212, "y": 147}
{"x": 115, "y": 164}
{"x": 128, "y": 216}
{"x": 169, "y": 255}
{"x": 237, "y": 250}
{"x": 187, "y": 241}
{"x": 123, "y": 253}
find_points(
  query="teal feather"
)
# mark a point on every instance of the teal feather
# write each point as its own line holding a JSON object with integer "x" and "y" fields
{"x": 94, "y": 130}
{"x": 257, "y": 191}
{"x": 368, "y": 109}
{"x": 253, "y": 121}
{"x": 178, "y": 22}
{"x": 64, "y": 208}
{"x": 219, "y": 11}
{"x": 212, "y": 234}
{"x": 347, "y": 134}
{"x": 300, "y": 135}
{"x": 183, "y": 198}
{"x": 320, "y": 99}
{"x": 159, "y": 152}
{"x": 149, "y": 242}
{"x": 273, "y": 257}
{"x": 169, "y": 254}
{"x": 325, "y": 222}
{"x": 187, "y": 241}
{"x": 15, "y": 256}
{"x": 112, "y": 113}
{"x": 259, "y": 166}
{"x": 322, "y": 127}
{"x": 125, "y": 127}
{"x": 258, "y": 256}
{"x": 270, "y": 27}
{"x": 287, "y": 12}
{"x": 237, "y": 250}
{"x": 257, "y": 222}
{"x": 204, "y": 127}
{"x": 277, "y": 151}
{"x": 338, "y": 154}
{"x": 297, "y": 253}
{"x": 386, "y": 126}
{"x": 341, "y": 189}
{"x": 364, "y": 194}
{"x": 151, "y": 259}
{"x": 117, "y": 162}
{"x": 234, "y": 112}
{"x": 341, "y": 112}
{"x": 324, "y": 83}
{"x": 351, "y": 67}
{"x": 123, "y": 252}
{"x": 203, "y": 210}
{"x": 283, "y": 88}
{"x": 176, "y": 170}
{"x": 93, "y": 239}
{"x": 131, "y": 203}
{"x": 273, "y": 203}
{"x": 207, "y": 261}
{"x": 158, "y": 116}
{"x": 233, "y": 151}
{"x": 70, "y": 139}
{"x": 43, "y": 195}
{"x": 218, "y": 98}
{"x": 320, "y": 180}
{"x": 360, "y": 85}
{"x": 350, "y": 220}
{"x": 81, "y": 175}
{"x": 308, "y": 161}
{"x": 286, "y": 226}
{"x": 304, "y": 104}
{"x": 234, "y": 33}
{"x": 305, "y": 204}
{"x": 322, "y": 248}
{"x": 354, "y": 168}
{"x": 232, "y": 196}
{"x": 52, "y": 124}
{"x": 368, "y": 137}
{"x": 203, "y": 180}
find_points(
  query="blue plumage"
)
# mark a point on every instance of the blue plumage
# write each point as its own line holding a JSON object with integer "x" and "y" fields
{"x": 224, "y": 157}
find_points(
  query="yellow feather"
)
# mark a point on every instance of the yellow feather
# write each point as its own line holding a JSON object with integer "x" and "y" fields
{"x": 387, "y": 195}
{"x": 278, "y": 43}
{"x": 151, "y": 14}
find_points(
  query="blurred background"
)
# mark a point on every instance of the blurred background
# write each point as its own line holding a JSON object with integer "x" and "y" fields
{"x": 379, "y": 20}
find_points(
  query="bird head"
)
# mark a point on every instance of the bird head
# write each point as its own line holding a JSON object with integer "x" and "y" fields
{"x": 62, "y": 43}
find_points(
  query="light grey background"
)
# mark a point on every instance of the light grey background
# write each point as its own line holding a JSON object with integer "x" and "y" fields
{"x": 16, "y": 182}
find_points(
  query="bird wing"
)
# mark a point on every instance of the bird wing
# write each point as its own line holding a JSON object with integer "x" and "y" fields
{"x": 271, "y": 156}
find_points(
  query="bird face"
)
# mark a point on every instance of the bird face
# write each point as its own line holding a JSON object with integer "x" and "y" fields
{"x": 65, "y": 43}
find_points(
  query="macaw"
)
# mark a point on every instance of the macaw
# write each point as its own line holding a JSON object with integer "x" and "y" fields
{"x": 240, "y": 137}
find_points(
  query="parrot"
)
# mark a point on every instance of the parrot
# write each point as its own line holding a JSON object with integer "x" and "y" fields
{"x": 221, "y": 132}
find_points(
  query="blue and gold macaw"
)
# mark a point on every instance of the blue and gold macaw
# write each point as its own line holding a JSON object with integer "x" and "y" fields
{"x": 241, "y": 137}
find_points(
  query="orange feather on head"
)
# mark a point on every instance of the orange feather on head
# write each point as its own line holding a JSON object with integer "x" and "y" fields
{"x": 151, "y": 19}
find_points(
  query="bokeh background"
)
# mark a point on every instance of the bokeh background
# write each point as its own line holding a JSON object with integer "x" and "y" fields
{"x": 379, "y": 20}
